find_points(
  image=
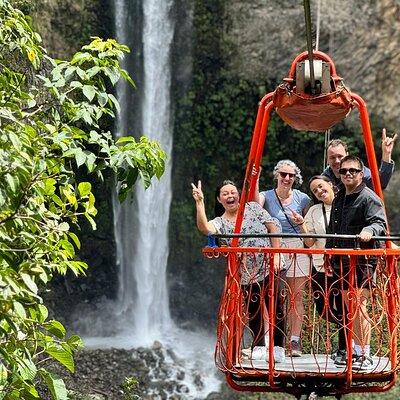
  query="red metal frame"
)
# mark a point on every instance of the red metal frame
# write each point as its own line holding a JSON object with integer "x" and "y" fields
{"x": 341, "y": 383}
{"x": 232, "y": 323}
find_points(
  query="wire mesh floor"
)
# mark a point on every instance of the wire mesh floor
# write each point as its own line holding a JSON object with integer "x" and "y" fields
{"x": 318, "y": 363}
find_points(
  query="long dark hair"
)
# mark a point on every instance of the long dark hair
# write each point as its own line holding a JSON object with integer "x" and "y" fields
{"x": 313, "y": 178}
{"x": 218, "y": 207}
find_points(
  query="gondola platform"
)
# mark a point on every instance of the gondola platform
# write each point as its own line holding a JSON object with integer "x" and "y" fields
{"x": 318, "y": 363}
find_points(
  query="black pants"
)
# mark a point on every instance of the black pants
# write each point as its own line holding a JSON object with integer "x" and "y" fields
{"x": 329, "y": 302}
{"x": 256, "y": 298}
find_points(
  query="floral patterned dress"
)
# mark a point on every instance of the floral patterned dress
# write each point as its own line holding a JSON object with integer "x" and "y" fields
{"x": 254, "y": 266}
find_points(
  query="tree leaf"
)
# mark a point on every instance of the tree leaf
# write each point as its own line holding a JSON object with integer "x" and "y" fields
{"x": 19, "y": 309}
{"x": 55, "y": 384}
{"x": 68, "y": 247}
{"x": 75, "y": 239}
{"x": 89, "y": 92}
{"x": 49, "y": 187}
{"x": 29, "y": 282}
{"x": 62, "y": 355}
{"x": 102, "y": 99}
{"x": 26, "y": 368}
{"x": 80, "y": 156}
{"x": 75, "y": 342}
{"x": 43, "y": 313}
{"x": 56, "y": 328}
{"x": 84, "y": 188}
{"x": 11, "y": 182}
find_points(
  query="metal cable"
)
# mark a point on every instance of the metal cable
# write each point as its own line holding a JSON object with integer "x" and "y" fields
{"x": 318, "y": 24}
{"x": 327, "y": 140}
{"x": 307, "y": 16}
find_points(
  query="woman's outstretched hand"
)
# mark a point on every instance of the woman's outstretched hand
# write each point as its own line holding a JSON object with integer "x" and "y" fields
{"x": 197, "y": 192}
{"x": 297, "y": 218}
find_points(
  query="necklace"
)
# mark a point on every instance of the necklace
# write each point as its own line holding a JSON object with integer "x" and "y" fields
{"x": 230, "y": 218}
{"x": 282, "y": 197}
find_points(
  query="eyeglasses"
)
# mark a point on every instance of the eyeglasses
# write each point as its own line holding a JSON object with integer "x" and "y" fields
{"x": 351, "y": 171}
{"x": 284, "y": 174}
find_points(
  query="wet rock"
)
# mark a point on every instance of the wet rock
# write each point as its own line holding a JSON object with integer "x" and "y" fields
{"x": 180, "y": 375}
{"x": 103, "y": 374}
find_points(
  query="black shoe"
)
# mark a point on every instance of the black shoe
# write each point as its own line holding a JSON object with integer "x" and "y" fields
{"x": 362, "y": 363}
{"x": 340, "y": 358}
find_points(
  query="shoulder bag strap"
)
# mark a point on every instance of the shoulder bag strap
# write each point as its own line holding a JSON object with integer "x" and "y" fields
{"x": 284, "y": 213}
{"x": 325, "y": 219}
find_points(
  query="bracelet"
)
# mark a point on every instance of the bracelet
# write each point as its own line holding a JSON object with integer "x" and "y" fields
{"x": 301, "y": 223}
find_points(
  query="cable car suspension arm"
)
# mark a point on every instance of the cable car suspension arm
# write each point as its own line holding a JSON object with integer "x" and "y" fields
{"x": 307, "y": 15}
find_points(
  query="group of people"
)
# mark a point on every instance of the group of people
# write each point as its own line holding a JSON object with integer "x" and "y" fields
{"x": 344, "y": 203}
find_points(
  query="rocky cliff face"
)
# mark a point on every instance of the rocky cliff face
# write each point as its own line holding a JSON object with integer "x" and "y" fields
{"x": 361, "y": 36}
{"x": 66, "y": 25}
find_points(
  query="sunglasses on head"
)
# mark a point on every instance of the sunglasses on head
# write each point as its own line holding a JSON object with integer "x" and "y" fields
{"x": 351, "y": 171}
{"x": 284, "y": 174}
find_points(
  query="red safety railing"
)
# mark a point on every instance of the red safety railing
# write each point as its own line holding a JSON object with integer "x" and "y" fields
{"x": 315, "y": 369}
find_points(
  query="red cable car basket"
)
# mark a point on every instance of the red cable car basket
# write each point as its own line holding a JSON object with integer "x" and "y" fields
{"x": 315, "y": 371}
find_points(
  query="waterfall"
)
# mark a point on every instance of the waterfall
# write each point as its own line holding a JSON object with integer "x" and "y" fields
{"x": 141, "y": 314}
{"x": 141, "y": 225}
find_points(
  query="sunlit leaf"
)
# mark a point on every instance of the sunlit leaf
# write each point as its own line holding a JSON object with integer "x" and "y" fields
{"x": 75, "y": 342}
{"x": 43, "y": 313}
{"x": 75, "y": 239}
{"x": 29, "y": 282}
{"x": 26, "y": 368}
{"x": 56, "y": 328}
{"x": 62, "y": 355}
{"x": 84, "y": 188}
{"x": 19, "y": 309}
{"x": 55, "y": 384}
{"x": 89, "y": 92}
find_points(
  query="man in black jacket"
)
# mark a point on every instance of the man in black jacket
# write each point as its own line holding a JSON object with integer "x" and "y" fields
{"x": 356, "y": 210}
{"x": 337, "y": 149}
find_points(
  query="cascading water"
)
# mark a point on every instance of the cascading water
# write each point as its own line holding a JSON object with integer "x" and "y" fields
{"x": 142, "y": 225}
{"x": 141, "y": 312}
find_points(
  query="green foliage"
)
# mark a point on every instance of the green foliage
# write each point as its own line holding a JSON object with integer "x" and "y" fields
{"x": 130, "y": 389}
{"x": 51, "y": 114}
{"x": 80, "y": 396}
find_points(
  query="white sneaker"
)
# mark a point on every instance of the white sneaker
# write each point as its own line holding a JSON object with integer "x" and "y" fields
{"x": 247, "y": 352}
{"x": 362, "y": 363}
{"x": 279, "y": 354}
{"x": 261, "y": 353}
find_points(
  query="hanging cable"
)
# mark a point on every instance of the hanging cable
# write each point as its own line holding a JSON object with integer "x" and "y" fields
{"x": 307, "y": 15}
{"x": 328, "y": 131}
{"x": 327, "y": 140}
{"x": 318, "y": 24}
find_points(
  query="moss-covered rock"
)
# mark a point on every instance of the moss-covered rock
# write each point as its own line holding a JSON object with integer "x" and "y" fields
{"x": 66, "y": 25}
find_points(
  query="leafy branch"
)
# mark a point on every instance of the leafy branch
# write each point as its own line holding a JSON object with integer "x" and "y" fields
{"x": 51, "y": 118}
